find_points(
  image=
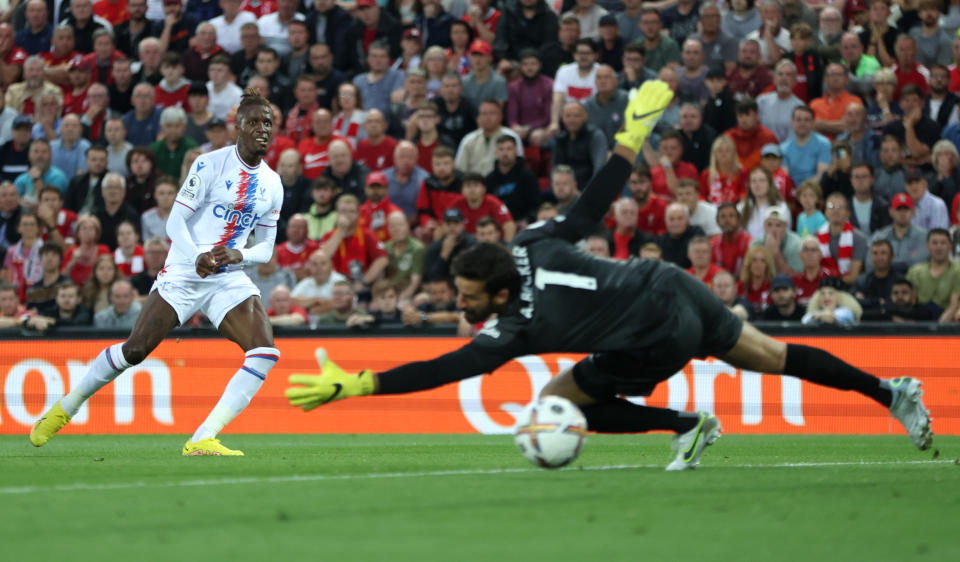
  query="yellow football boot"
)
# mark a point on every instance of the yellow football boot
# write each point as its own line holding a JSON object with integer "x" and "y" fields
{"x": 208, "y": 447}
{"x": 50, "y": 423}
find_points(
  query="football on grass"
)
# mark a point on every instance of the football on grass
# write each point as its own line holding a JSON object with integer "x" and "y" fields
{"x": 550, "y": 432}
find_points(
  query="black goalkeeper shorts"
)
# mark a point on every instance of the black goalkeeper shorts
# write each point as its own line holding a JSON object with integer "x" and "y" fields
{"x": 699, "y": 325}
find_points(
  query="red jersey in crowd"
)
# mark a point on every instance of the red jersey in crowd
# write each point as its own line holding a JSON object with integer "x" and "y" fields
{"x": 176, "y": 97}
{"x": 74, "y": 101}
{"x": 277, "y": 146}
{"x": 91, "y": 60}
{"x": 16, "y": 56}
{"x": 920, "y": 75}
{"x": 806, "y": 287}
{"x": 114, "y": 12}
{"x": 259, "y": 8}
{"x": 759, "y": 297}
{"x": 749, "y": 143}
{"x": 708, "y": 276}
{"x": 374, "y": 217}
{"x": 490, "y": 19}
{"x": 721, "y": 188}
{"x": 66, "y": 225}
{"x": 294, "y": 256}
{"x": 784, "y": 183}
{"x": 658, "y": 177}
{"x": 314, "y": 155}
{"x": 294, "y": 309}
{"x": 132, "y": 265}
{"x": 53, "y": 60}
{"x": 297, "y": 124}
{"x": 729, "y": 255}
{"x": 651, "y": 218}
{"x": 80, "y": 273}
{"x": 489, "y": 207}
{"x": 377, "y": 157}
{"x": 361, "y": 247}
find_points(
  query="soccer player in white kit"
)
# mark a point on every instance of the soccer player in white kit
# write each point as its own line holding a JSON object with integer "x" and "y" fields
{"x": 228, "y": 194}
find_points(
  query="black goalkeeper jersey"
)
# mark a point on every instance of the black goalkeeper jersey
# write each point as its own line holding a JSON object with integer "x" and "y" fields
{"x": 569, "y": 300}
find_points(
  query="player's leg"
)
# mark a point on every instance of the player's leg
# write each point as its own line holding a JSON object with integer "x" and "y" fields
{"x": 758, "y": 352}
{"x": 247, "y": 325}
{"x": 155, "y": 321}
{"x": 593, "y": 385}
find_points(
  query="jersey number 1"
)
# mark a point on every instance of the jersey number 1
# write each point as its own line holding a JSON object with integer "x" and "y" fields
{"x": 544, "y": 277}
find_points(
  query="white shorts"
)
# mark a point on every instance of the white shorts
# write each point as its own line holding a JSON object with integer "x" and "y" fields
{"x": 184, "y": 290}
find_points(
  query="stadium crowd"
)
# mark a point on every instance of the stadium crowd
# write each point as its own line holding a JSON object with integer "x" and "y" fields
{"x": 807, "y": 169}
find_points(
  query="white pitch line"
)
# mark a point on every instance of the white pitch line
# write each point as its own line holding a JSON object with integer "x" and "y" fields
{"x": 82, "y": 486}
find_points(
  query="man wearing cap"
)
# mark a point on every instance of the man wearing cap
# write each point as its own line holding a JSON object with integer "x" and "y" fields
{"x": 483, "y": 83}
{"x": 783, "y": 299}
{"x": 775, "y": 107}
{"x": 441, "y": 252}
{"x": 24, "y": 96}
{"x": 929, "y": 210}
{"x": 908, "y": 241}
{"x": 807, "y": 279}
{"x": 14, "y": 155}
{"x": 377, "y": 207}
{"x": 937, "y": 280}
{"x": 782, "y": 243}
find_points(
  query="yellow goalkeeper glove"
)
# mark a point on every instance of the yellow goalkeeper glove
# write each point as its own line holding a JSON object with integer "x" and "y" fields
{"x": 644, "y": 110}
{"x": 333, "y": 383}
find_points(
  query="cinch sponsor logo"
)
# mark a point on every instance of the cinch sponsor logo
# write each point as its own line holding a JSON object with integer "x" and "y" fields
{"x": 233, "y": 216}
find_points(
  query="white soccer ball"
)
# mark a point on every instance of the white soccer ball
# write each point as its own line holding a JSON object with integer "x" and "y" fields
{"x": 550, "y": 432}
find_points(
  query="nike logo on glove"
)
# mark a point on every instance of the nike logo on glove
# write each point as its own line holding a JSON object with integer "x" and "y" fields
{"x": 339, "y": 387}
{"x": 647, "y": 114}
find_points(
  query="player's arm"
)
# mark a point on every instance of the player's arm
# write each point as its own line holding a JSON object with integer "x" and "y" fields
{"x": 189, "y": 199}
{"x": 642, "y": 114}
{"x": 334, "y": 383}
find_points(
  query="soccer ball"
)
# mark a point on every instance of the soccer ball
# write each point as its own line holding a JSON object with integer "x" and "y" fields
{"x": 550, "y": 432}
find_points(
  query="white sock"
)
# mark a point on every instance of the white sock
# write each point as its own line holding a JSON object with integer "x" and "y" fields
{"x": 104, "y": 369}
{"x": 240, "y": 390}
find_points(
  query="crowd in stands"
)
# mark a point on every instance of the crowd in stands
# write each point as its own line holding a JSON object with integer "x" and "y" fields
{"x": 807, "y": 169}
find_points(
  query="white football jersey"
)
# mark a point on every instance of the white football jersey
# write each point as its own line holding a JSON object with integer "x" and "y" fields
{"x": 229, "y": 200}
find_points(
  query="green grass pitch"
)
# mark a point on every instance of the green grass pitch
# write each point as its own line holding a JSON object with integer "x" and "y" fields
{"x": 457, "y": 497}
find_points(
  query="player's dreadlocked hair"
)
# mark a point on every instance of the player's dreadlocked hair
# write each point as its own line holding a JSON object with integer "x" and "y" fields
{"x": 251, "y": 98}
{"x": 491, "y": 263}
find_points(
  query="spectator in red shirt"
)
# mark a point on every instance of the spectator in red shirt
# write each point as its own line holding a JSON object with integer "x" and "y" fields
{"x": 907, "y": 69}
{"x": 355, "y": 251}
{"x": 376, "y": 151}
{"x": 427, "y": 136}
{"x": 755, "y": 277}
{"x": 75, "y": 96}
{"x": 196, "y": 60}
{"x": 377, "y": 207}
{"x": 475, "y": 203}
{"x": 78, "y": 261}
{"x": 665, "y": 176}
{"x": 314, "y": 149}
{"x": 749, "y": 135}
{"x": 651, "y": 207}
{"x": 750, "y": 77}
{"x": 297, "y": 124}
{"x": 483, "y": 18}
{"x": 102, "y": 57}
{"x": 12, "y": 57}
{"x": 808, "y": 281}
{"x": 438, "y": 192}
{"x": 729, "y": 248}
{"x": 771, "y": 159}
{"x": 294, "y": 253}
{"x": 58, "y": 224}
{"x": 283, "y": 311}
{"x": 172, "y": 90}
{"x": 722, "y": 181}
{"x": 625, "y": 239}
{"x": 701, "y": 267}
{"x": 114, "y": 11}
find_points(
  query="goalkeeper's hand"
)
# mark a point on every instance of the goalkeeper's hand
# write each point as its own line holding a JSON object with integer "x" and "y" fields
{"x": 644, "y": 110}
{"x": 333, "y": 383}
